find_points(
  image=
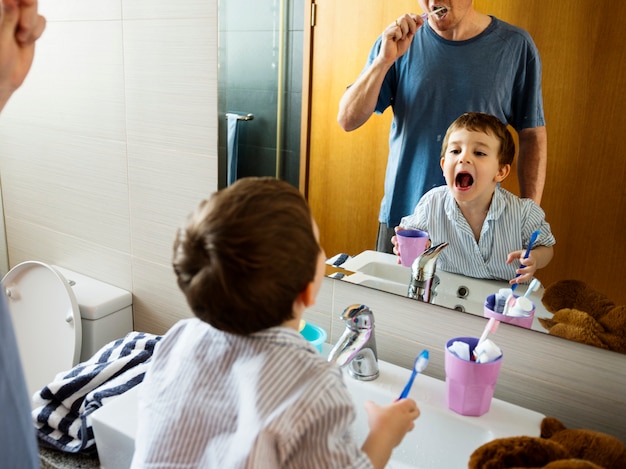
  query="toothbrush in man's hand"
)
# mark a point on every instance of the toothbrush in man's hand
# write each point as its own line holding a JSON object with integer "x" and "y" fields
{"x": 533, "y": 238}
{"x": 441, "y": 10}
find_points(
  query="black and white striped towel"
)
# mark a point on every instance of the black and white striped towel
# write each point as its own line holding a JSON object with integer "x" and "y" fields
{"x": 63, "y": 406}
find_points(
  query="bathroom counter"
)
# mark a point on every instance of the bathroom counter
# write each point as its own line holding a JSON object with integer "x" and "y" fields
{"x": 54, "y": 459}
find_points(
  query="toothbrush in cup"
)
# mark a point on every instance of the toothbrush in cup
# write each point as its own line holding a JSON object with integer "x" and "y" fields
{"x": 533, "y": 238}
{"x": 490, "y": 328}
{"x": 421, "y": 362}
{"x": 534, "y": 285}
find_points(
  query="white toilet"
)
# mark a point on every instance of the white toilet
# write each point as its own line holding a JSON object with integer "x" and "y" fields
{"x": 62, "y": 318}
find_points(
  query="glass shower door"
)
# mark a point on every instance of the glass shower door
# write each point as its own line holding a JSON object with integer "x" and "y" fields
{"x": 260, "y": 74}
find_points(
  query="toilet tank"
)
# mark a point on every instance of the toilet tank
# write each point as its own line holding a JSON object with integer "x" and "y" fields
{"x": 105, "y": 310}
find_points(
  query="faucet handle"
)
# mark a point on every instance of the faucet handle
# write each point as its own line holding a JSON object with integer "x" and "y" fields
{"x": 358, "y": 317}
{"x": 356, "y": 347}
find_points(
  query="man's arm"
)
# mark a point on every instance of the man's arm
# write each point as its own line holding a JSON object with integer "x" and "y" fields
{"x": 532, "y": 162}
{"x": 359, "y": 100}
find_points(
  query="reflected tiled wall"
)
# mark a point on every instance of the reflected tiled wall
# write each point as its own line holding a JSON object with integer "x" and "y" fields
{"x": 248, "y": 83}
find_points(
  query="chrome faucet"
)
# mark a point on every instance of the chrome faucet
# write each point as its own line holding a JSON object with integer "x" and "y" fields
{"x": 423, "y": 279}
{"x": 356, "y": 347}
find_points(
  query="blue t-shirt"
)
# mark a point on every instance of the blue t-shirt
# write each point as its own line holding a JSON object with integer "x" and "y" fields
{"x": 437, "y": 80}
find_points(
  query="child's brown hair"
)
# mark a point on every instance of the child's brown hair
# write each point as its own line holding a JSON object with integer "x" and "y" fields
{"x": 489, "y": 124}
{"x": 245, "y": 254}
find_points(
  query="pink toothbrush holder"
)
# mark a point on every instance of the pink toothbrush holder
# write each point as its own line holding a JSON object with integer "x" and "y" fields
{"x": 470, "y": 385}
{"x": 488, "y": 312}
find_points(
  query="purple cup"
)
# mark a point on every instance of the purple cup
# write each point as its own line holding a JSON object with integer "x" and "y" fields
{"x": 411, "y": 243}
{"x": 470, "y": 385}
{"x": 488, "y": 312}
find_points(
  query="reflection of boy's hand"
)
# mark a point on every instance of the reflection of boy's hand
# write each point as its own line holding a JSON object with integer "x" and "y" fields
{"x": 527, "y": 268}
{"x": 394, "y": 241}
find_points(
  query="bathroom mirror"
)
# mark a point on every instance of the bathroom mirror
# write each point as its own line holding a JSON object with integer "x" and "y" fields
{"x": 264, "y": 82}
{"x": 583, "y": 81}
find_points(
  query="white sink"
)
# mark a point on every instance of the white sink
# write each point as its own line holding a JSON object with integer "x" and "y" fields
{"x": 441, "y": 438}
{"x": 379, "y": 283}
{"x": 380, "y": 265}
{"x": 381, "y": 271}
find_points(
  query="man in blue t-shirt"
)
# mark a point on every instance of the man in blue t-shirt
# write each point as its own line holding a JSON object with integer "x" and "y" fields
{"x": 430, "y": 72}
{"x": 20, "y": 27}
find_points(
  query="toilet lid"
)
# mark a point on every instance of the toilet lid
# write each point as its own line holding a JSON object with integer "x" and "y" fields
{"x": 46, "y": 319}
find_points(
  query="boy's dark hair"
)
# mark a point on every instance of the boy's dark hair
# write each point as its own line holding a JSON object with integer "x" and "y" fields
{"x": 245, "y": 254}
{"x": 489, "y": 124}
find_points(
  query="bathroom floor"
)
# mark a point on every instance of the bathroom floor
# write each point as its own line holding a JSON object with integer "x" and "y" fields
{"x": 53, "y": 459}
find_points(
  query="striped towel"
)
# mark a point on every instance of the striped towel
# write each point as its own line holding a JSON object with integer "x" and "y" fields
{"x": 63, "y": 406}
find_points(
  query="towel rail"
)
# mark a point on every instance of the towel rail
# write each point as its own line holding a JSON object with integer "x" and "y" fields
{"x": 240, "y": 117}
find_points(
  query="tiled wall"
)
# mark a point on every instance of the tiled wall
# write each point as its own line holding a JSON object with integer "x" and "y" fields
{"x": 111, "y": 142}
{"x": 113, "y": 139}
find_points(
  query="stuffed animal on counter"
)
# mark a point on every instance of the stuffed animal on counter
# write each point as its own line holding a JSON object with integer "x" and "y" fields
{"x": 585, "y": 315}
{"x": 557, "y": 448}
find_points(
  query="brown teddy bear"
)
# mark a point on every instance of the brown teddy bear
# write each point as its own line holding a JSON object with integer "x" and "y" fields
{"x": 557, "y": 448}
{"x": 584, "y": 315}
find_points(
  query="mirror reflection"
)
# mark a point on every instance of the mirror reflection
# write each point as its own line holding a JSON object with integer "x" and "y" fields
{"x": 260, "y": 75}
{"x": 583, "y": 82}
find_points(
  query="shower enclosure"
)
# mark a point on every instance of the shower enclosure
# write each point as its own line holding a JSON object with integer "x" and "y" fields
{"x": 260, "y": 74}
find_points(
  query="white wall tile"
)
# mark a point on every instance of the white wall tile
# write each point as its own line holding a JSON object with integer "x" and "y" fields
{"x": 158, "y": 302}
{"x": 83, "y": 180}
{"x": 171, "y": 83}
{"x": 34, "y": 242}
{"x": 154, "y": 9}
{"x": 76, "y": 84}
{"x": 83, "y": 10}
{"x": 159, "y": 202}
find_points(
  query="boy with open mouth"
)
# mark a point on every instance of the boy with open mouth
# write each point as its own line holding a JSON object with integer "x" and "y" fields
{"x": 488, "y": 228}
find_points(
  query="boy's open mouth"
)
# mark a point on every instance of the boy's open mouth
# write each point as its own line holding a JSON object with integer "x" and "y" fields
{"x": 464, "y": 180}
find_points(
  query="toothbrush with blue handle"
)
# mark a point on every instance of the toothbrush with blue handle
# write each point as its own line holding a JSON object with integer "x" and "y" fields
{"x": 533, "y": 238}
{"x": 421, "y": 362}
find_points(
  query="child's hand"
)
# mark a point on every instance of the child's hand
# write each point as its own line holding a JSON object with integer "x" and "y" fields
{"x": 388, "y": 425}
{"x": 527, "y": 268}
{"x": 394, "y": 241}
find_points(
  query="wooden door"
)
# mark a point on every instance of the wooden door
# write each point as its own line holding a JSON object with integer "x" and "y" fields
{"x": 584, "y": 83}
{"x": 346, "y": 170}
